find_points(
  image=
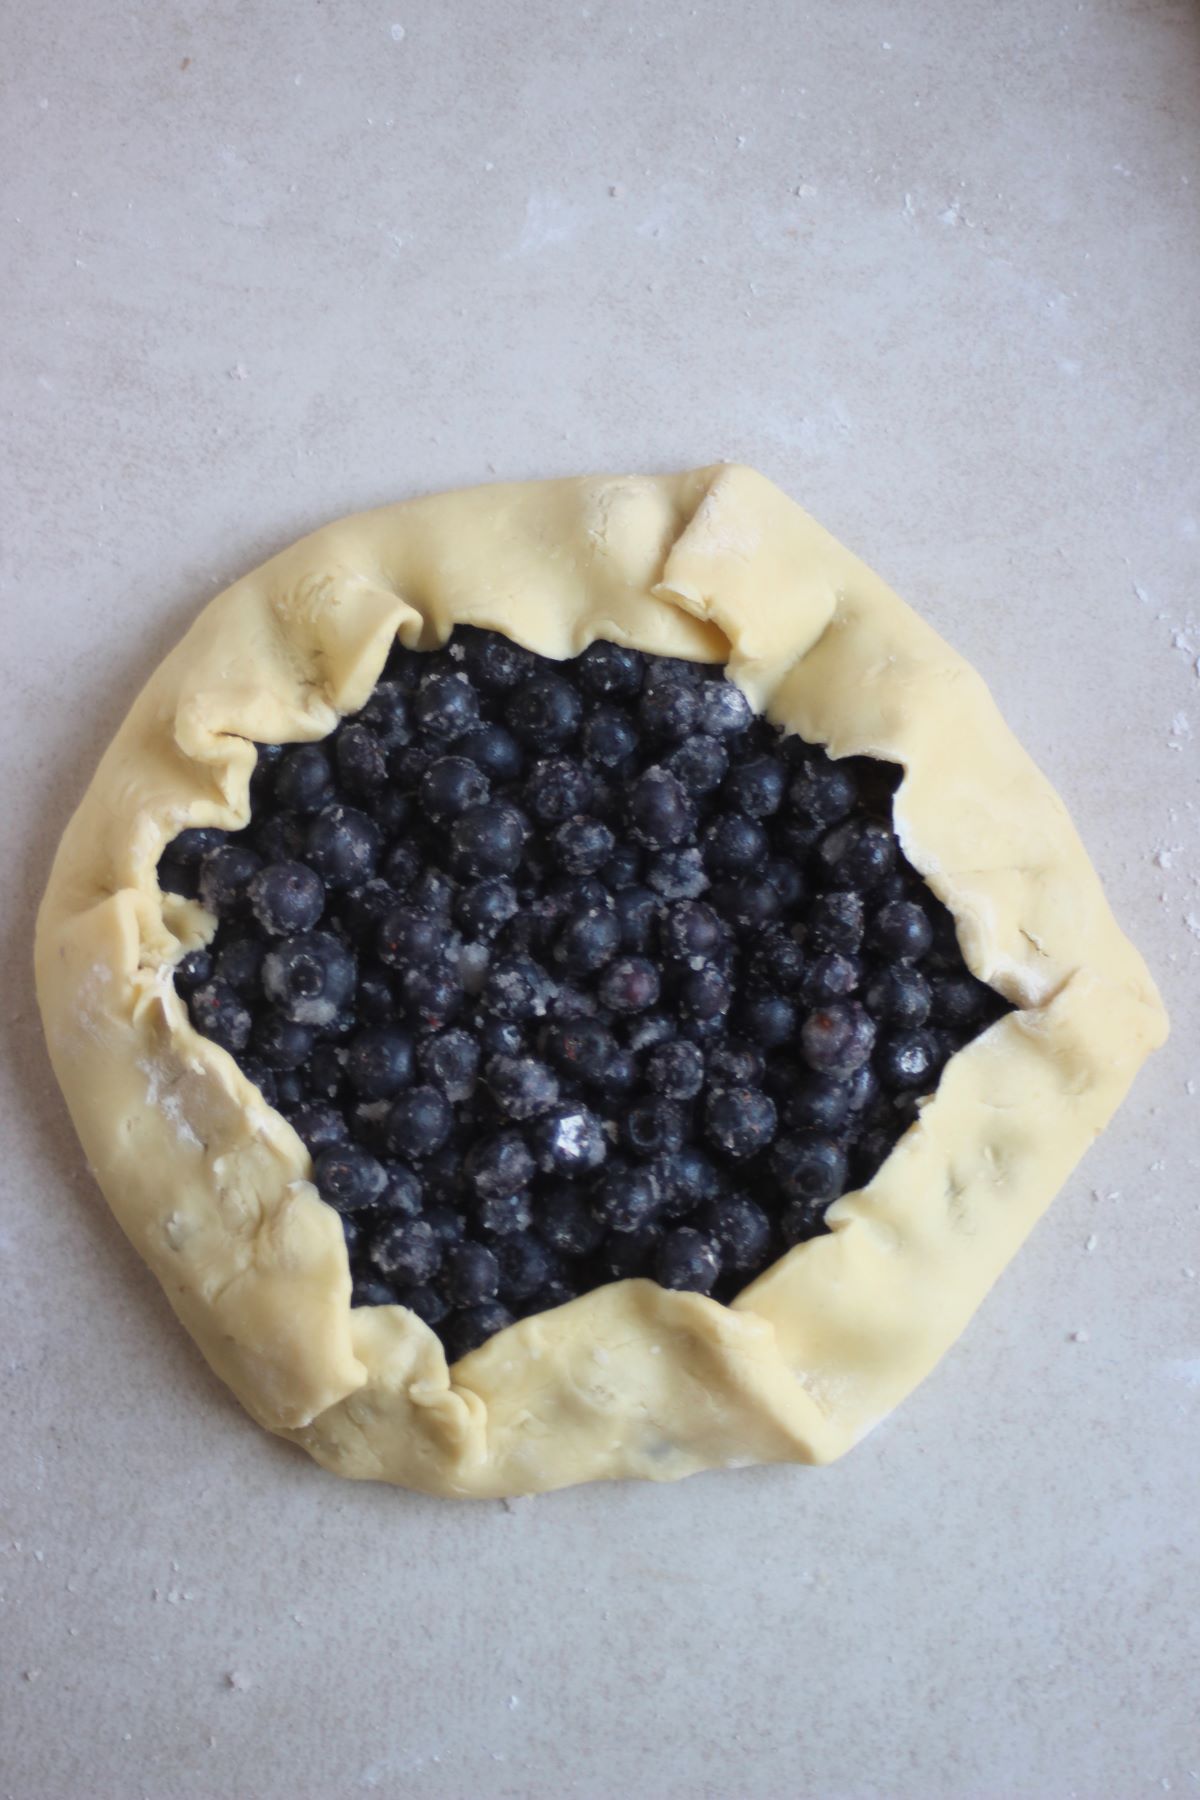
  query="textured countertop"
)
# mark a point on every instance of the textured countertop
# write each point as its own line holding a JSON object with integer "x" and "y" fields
{"x": 935, "y": 270}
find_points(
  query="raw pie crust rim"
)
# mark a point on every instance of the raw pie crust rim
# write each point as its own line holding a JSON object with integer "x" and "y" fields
{"x": 211, "y": 1185}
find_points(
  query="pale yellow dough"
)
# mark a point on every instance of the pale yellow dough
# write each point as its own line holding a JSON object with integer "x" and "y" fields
{"x": 213, "y": 1187}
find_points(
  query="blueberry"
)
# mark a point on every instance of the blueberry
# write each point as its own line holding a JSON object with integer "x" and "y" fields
{"x": 818, "y": 1102}
{"x": 568, "y": 1223}
{"x": 644, "y": 1031}
{"x": 449, "y": 786}
{"x": 787, "y": 879}
{"x": 654, "y": 1127}
{"x": 609, "y": 670}
{"x": 370, "y": 1292}
{"x": 403, "y": 865}
{"x": 677, "y": 874}
{"x": 258, "y": 1074}
{"x": 901, "y": 929}
{"x": 556, "y": 789}
{"x": 960, "y": 1001}
{"x": 740, "y": 1121}
{"x": 636, "y": 911}
{"x": 419, "y": 1123}
{"x": 192, "y": 971}
{"x": 446, "y": 706}
{"x": 823, "y": 792}
{"x": 569, "y": 1140}
{"x": 318, "y": 1127}
{"x": 608, "y": 738}
{"x": 218, "y": 1014}
{"x": 699, "y": 764}
{"x": 404, "y": 667}
{"x": 343, "y": 846}
{"x": 374, "y": 1001}
{"x": 494, "y": 662}
{"x": 705, "y": 993}
{"x": 627, "y": 1199}
{"x": 521, "y": 1086}
{"x": 582, "y": 845}
{"x": 733, "y": 843}
{"x": 409, "y": 938}
{"x": 289, "y": 1090}
{"x": 692, "y": 929}
{"x": 516, "y": 988}
{"x": 835, "y": 922}
{"x": 484, "y": 907}
{"x": 347, "y": 1178}
{"x": 500, "y": 1215}
{"x": 623, "y": 868}
{"x": 304, "y": 779}
{"x": 280, "y": 1043}
{"x": 741, "y": 1231}
{"x": 751, "y": 904}
{"x": 686, "y": 1179}
{"x": 487, "y": 840}
{"x": 191, "y": 847}
{"x": 379, "y": 1061}
{"x": 661, "y": 814}
{"x": 526, "y": 1264}
{"x": 629, "y": 984}
{"x": 809, "y": 1167}
{"x": 499, "y": 1165}
{"x": 450, "y": 1061}
{"x": 239, "y": 965}
{"x": 688, "y": 1260}
{"x": 581, "y": 1048}
{"x": 756, "y": 787}
{"x": 767, "y": 1019}
{"x": 500, "y": 1037}
{"x": 838, "y": 1038}
{"x": 472, "y": 1274}
{"x": 589, "y": 941}
{"x": 544, "y": 712}
{"x": 676, "y": 1070}
{"x": 776, "y": 966}
{"x": 724, "y": 709}
{"x": 734, "y": 1064}
{"x": 225, "y": 875}
{"x": 174, "y": 878}
{"x": 899, "y": 996}
{"x": 432, "y": 997}
{"x": 858, "y": 854}
{"x": 473, "y": 1326}
{"x": 425, "y": 1301}
{"x": 309, "y": 978}
{"x": 361, "y": 763}
{"x": 668, "y": 709}
{"x": 388, "y": 716}
{"x": 630, "y": 1255}
{"x": 402, "y": 1197}
{"x": 831, "y": 976}
{"x": 448, "y": 1223}
{"x": 286, "y": 898}
{"x": 408, "y": 1251}
{"x": 908, "y": 1060}
{"x": 493, "y": 750}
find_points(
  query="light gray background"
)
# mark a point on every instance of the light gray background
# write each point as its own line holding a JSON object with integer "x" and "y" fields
{"x": 933, "y": 267}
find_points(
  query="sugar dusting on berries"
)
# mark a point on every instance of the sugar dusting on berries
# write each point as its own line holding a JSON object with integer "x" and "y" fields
{"x": 569, "y": 973}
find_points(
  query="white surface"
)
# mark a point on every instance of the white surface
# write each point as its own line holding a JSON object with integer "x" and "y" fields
{"x": 935, "y": 269}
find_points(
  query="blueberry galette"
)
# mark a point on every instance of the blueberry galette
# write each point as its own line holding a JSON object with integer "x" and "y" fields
{"x": 576, "y": 980}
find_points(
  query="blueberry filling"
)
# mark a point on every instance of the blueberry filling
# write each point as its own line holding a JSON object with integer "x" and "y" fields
{"x": 569, "y": 972}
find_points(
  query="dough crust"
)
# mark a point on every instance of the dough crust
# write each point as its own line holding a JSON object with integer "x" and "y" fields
{"x": 213, "y": 1187}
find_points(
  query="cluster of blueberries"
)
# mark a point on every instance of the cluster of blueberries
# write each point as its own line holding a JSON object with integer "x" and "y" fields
{"x": 566, "y": 972}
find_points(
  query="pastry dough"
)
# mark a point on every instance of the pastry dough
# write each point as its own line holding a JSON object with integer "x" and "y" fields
{"x": 214, "y": 1188}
